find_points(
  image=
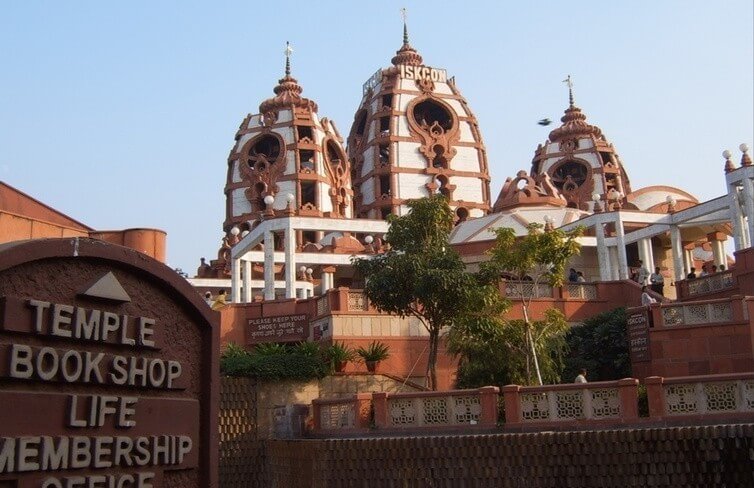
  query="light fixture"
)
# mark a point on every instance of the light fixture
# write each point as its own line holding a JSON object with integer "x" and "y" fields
{"x": 302, "y": 269}
{"x": 244, "y": 233}
{"x": 727, "y": 154}
{"x": 309, "y": 271}
{"x": 744, "y": 147}
{"x": 289, "y": 197}
{"x": 369, "y": 239}
{"x": 269, "y": 200}
{"x": 235, "y": 230}
{"x": 670, "y": 200}
{"x": 596, "y": 197}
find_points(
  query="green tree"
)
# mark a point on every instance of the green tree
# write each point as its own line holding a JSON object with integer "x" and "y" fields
{"x": 422, "y": 276}
{"x": 600, "y": 345}
{"x": 536, "y": 258}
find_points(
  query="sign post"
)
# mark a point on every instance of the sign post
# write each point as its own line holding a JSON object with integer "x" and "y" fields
{"x": 108, "y": 370}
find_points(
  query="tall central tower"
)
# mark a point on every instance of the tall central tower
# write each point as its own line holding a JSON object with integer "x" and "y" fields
{"x": 413, "y": 135}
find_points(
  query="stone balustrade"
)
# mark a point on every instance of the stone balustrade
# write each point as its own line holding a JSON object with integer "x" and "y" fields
{"x": 597, "y": 405}
{"x": 707, "y": 312}
{"x": 723, "y": 395}
{"x": 611, "y": 401}
{"x": 516, "y": 290}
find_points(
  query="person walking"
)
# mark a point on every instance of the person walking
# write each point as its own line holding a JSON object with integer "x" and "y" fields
{"x": 581, "y": 378}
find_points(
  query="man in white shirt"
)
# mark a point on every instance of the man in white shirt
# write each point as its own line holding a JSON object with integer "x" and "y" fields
{"x": 657, "y": 282}
{"x": 646, "y": 298}
{"x": 581, "y": 378}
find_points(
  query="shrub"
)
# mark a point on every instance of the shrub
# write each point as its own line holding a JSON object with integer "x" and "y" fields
{"x": 600, "y": 345}
{"x": 273, "y": 363}
{"x": 376, "y": 351}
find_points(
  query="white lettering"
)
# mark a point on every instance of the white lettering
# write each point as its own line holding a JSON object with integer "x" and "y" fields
{"x": 28, "y": 450}
{"x": 47, "y": 363}
{"x": 146, "y": 330}
{"x": 71, "y": 358}
{"x": 54, "y": 457}
{"x": 87, "y": 329}
{"x": 61, "y": 315}
{"x": 20, "y": 361}
{"x": 39, "y": 308}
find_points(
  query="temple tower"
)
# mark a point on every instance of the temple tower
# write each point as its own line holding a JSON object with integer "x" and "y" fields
{"x": 413, "y": 135}
{"x": 286, "y": 160}
{"x": 580, "y": 162}
{"x": 288, "y": 153}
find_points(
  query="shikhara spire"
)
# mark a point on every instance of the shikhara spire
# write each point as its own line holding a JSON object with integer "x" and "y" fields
{"x": 405, "y": 27}
{"x": 288, "y": 52}
{"x": 569, "y": 82}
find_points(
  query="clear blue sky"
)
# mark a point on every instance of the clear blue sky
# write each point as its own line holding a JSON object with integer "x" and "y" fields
{"x": 122, "y": 114}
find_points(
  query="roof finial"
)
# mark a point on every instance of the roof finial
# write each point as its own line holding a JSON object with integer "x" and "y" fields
{"x": 568, "y": 82}
{"x": 288, "y": 51}
{"x": 405, "y": 27}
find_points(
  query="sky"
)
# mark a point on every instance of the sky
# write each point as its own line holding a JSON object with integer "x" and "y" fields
{"x": 122, "y": 114}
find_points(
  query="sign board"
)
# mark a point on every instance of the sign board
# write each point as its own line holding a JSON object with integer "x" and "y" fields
{"x": 638, "y": 335}
{"x": 281, "y": 328}
{"x": 409, "y": 72}
{"x": 108, "y": 370}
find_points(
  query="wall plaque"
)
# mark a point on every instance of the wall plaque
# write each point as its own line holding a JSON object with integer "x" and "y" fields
{"x": 108, "y": 370}
{"x": 638, "y": 335}
{"x": 281, "y": 328}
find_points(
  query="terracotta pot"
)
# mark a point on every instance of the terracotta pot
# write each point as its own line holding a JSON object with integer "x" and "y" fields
{"x": 340, "y": 366}
{"x": 372, "y": 366}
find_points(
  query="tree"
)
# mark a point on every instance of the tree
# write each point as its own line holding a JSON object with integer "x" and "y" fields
{"x": 600, "y": 345}
{"x": 536, "y": 258}
{"x": 422, "y": 276}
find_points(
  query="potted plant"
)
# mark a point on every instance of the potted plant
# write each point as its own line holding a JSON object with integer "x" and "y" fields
{"x": 339, "y": 354}
{"x": 373, "y": 354}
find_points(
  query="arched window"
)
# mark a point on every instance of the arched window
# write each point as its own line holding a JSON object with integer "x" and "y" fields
{"x": 570, "y": 173}
{"x": 430, "y": 115}
{"x": 263, "y": 152}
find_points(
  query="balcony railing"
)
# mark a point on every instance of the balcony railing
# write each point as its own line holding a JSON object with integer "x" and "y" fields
{"x": 710, "y": 283}
{"x": 719, "y": 311}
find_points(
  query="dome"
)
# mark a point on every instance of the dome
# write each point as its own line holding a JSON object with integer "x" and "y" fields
{"x": 413, "y": 135}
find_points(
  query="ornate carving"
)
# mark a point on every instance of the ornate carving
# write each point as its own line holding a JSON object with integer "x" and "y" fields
{"x": 527, "y": 190}
{"x": 426, "y": 85}
{"x": 260, "y": 172}
{"x": 436, "y": 141}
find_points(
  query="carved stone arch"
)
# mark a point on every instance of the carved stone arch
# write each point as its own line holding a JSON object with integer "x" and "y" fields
{"x": 573, "y": 177}
{"x": 437, "y": 137}
{"x": 339, "y": 174}
{"x": 261, "y": 163}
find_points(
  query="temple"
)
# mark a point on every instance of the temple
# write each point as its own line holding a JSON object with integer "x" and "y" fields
{"x": 300, "y": 207}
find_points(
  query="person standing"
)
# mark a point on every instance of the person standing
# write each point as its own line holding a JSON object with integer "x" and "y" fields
{"x": 657, "y": 282}
{"x": 572, "y": 276}
{"x": 692, "y": 274}
{"x": 220, "y": 301}
{"x": 581, "y": 378}
{"x": 646, "y": 298}
{"x": 642, "y": 274}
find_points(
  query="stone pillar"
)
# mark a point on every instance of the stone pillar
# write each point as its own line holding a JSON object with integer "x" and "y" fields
{"x": 289, "y": 241}
{"x": 328, "y": 279}
{"x": 379, "y": 402}
{"x": 717, "y": 241}
{"x": 269, "y": 266}
{"x": 614, "y": 263}
{"x": 676, "y": 250}
{"x": 488, "y": 396}
{"x": 736, "y": 219}
{"x": 655, "y": 396}
{"x": 646, "y": 254}
{"x": 748, "y": 196}
{"x": 628, "y": 391}
{"x": 512, "y": 401}
{"x": 246, "y": 281}
{"x": 603, "y": 253}
{"x": 688, "y": 256}
{"x": 235, "y": 280}
{"x": 621, "y": 244}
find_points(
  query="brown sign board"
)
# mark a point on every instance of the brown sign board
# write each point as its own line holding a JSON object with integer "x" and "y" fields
{"x": 108, "y": 370}
{"x": 281, "y": 328}
{"x": 638, "y": 335}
